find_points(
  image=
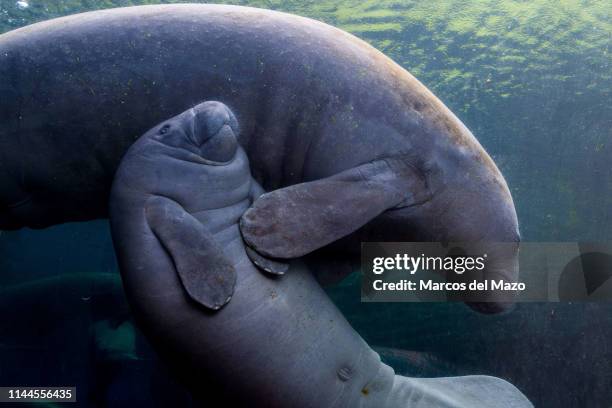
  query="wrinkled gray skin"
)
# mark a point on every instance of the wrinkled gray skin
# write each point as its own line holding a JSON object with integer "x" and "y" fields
{"x": 322, "y": 114}
{"x": 175, "y": 205}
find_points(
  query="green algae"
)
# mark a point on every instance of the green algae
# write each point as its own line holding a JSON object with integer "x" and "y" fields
{"x": 372, "y": 27}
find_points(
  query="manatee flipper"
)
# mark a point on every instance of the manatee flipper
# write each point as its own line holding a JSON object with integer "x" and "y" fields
{"x": 206, "y": 274}
{"x": 273, "y": 266}
{"x": 293, "y": 221}
{"x": 268, "y": 265}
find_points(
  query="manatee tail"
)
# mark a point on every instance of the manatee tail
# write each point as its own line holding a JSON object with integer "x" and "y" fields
{"x": 455, "y": 392}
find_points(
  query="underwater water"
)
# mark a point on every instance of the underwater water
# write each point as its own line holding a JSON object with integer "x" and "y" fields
{"x": 531, "y": 79}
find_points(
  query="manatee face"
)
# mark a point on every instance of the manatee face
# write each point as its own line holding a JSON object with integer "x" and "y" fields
{"x": 213, "y": 128}
{"x": 208, "y": 130}
{"x": 195, "y": 160}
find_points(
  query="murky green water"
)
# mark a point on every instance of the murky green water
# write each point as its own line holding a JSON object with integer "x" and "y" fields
{"x": 531, "y": 79}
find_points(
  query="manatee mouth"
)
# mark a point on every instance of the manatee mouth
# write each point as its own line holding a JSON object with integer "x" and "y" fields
{"x": 213, "y": 131}
{"x": 220, "y": 148}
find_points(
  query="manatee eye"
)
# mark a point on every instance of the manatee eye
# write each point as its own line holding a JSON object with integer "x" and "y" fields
{"x": 164, "y": 129}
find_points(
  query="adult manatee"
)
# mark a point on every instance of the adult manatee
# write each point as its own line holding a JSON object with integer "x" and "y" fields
{"x": 351, "y": 146}
{"x": 316, "y": 105}
{"x": 175, "y": 205}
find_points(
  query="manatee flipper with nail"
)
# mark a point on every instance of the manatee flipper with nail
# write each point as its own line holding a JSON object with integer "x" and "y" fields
{"x": 258, "y": 339}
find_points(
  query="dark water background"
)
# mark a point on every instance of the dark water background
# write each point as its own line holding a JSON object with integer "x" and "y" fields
{"x": 532, "y": 80}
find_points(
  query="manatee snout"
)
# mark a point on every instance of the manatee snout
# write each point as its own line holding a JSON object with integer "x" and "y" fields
{"x": 213, "y": 128}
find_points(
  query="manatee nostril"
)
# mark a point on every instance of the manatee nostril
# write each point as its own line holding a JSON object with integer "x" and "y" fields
{"x": 221, "y": 147}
